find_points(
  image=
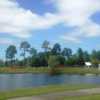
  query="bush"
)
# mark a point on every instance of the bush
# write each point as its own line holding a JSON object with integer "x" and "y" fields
{"x": 95, "y": 62}
{"x": 54, "y": 64}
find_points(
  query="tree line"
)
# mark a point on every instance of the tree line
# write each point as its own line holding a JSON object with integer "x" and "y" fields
{"x": 55, "y": 55}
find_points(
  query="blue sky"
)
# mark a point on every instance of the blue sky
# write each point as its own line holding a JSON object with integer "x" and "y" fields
{"x": 72, "y": 23}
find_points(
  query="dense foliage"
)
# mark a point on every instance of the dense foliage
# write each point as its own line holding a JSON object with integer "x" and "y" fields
{"x": 50, "y": 56}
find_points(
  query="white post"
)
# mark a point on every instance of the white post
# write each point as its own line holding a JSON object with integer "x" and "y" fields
{"x": 99, "y": 66}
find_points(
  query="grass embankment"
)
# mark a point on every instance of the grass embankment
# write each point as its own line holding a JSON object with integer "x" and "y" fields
{"x": 42, "y": 90}
{"x": 67, "y": 70}
{"x": 89, "y": 97}
{"x": 24, "y": 70}
{"x": 82, "y": 71}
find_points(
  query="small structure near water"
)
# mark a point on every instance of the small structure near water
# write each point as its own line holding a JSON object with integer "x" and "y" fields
{"x": 88, "y": 64}
{"x": 99, "y": 66}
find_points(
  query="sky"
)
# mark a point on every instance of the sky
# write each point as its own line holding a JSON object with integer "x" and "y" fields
{"x": 72, "y": 23}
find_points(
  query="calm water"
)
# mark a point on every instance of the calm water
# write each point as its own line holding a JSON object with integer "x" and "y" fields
{"x": 15, "y": 81}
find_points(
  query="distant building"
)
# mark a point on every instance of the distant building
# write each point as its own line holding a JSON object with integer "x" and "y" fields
{"x": 88, "y": 64}
{"x": 99, "y": 66}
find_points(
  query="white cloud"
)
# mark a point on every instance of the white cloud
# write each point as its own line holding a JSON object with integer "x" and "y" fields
{"x": 19, "y": 22}
{"x": 77, "y": 13}
{"x": 6, "y": 41}
{"x": 91, "y": 29}
{"x": 74, "y": 36}
{"x": 70, "y": 39}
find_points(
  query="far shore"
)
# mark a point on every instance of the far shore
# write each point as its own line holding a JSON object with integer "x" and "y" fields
{"x": 40, "y": 70}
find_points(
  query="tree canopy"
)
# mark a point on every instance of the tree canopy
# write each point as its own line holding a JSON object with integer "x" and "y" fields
{"x": 55, "y": 55}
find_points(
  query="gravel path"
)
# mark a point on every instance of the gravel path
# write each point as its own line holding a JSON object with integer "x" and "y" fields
{"x": 54, "y": 96}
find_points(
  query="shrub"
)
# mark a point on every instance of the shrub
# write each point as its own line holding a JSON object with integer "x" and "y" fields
{"x": 54, "y": 63}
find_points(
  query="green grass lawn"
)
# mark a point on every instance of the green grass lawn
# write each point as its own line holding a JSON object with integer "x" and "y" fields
{"x": 23, "y": 70}
{"x": 42, "y": 90}
{"x": 90, "y": 97}
{"x": 67, "y": 70}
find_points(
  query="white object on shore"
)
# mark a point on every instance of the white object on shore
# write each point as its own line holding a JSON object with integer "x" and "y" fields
{"x": 99, "y": 66}
{"x": 88, "y": 64}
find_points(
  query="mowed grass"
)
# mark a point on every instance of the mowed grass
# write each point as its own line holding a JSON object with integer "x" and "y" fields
{"x": 89, "y": 97}
{"x": 42, "y": 90}
{"x": 79, "y": 70}
{"x": 65, "y": 70}
{"x": 24, "y": 70}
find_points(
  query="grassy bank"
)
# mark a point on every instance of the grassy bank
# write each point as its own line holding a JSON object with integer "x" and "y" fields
{"x": 42, "y": 90}
{"x": 67, "y": 70}
{"x": 82, "y": 71}
{"x": 24, "y": 70}
{"x": 89, "y": 97}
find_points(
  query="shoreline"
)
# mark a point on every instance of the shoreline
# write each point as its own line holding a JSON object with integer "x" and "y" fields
{"x": 41, "y": 70}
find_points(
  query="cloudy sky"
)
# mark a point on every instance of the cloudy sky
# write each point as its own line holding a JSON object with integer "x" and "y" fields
{"x": 72, "y": 23}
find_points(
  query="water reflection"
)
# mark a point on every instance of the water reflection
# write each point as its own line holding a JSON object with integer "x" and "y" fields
{"x": 15, "y": 81}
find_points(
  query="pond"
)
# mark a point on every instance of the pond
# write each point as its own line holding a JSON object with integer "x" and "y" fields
{"x": 16, "y": 81}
